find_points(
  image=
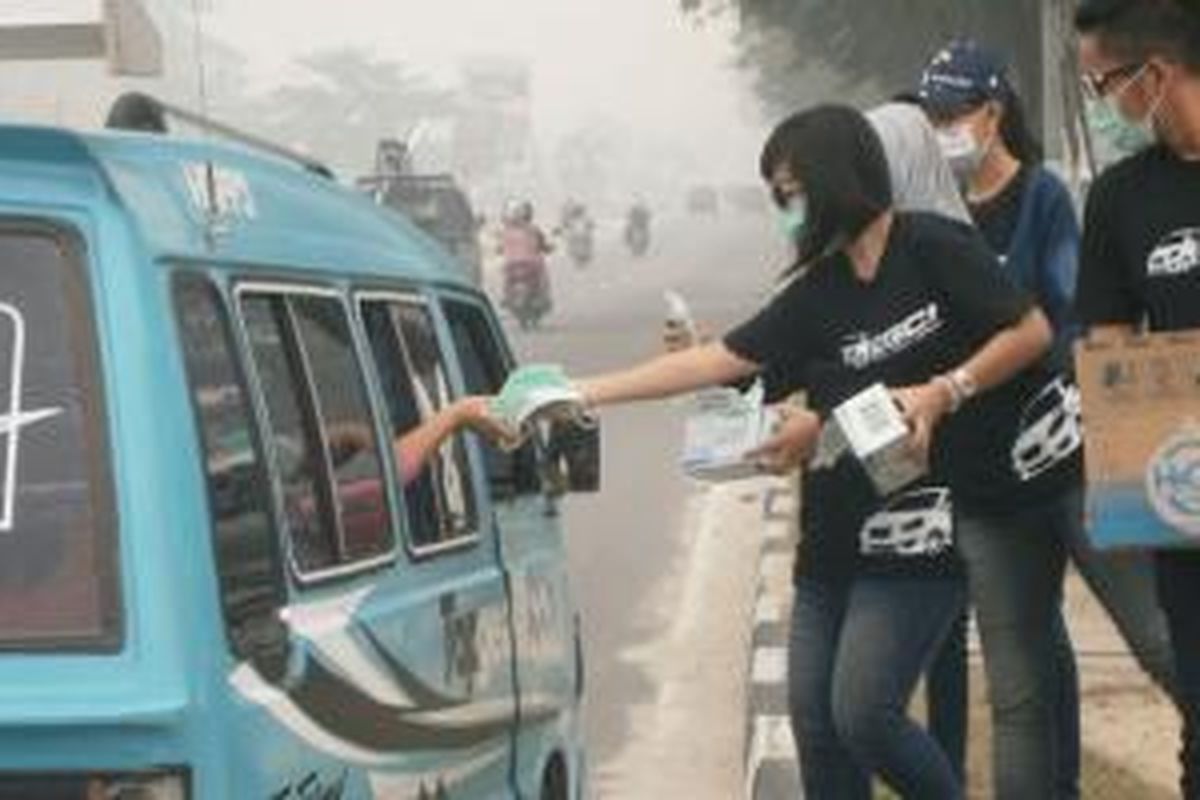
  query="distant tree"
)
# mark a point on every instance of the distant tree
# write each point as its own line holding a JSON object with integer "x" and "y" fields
{"x": 861, "y": 49}
{"x": 344, "y": 103}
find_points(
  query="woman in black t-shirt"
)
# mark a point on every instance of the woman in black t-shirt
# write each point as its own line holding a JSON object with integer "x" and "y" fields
{"x": 912, "y": 301}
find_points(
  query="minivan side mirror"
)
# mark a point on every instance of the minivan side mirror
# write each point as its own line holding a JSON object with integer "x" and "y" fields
{"x": 573, "y": 454}
{"x": 265, "y": 640}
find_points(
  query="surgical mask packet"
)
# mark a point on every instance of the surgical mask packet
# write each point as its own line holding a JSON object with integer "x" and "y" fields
{"x": 536, "y": 394}
{"x": 723, "y": 425}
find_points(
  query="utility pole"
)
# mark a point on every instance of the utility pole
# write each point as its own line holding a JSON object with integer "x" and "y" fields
{"x": 1053, "y": 112}
{"x": 1065, "y": 131}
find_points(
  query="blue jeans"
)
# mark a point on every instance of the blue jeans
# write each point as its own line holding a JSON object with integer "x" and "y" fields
{"x": 946, "y": 690}
{"x": 1178, "y": 578}
{"x": 1124, "y": 583}
{"x": 1125, "y": 586}
{"x": 1015, "y": 566}
{"x": 946, "y": 687}
{"x": 857, "y": 650}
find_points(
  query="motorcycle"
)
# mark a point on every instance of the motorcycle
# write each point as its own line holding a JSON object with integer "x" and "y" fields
{"x": 579, "y": 243}
{"x": 577, "y": 235}
{"x": 527, "y": 292}
{"x": 637, "y": 238}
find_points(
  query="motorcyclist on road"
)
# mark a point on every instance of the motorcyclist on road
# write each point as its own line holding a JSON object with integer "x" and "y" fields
{"x": 576, "y": 228}
{"x": 637, "y": 228}
{"x": 523, "y": 248}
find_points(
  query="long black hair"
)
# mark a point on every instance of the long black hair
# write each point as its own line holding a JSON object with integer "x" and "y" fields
{"x": 1015, "y": 131}
{"x": 839, "y": 161}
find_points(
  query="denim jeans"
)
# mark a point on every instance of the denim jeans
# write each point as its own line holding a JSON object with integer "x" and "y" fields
{"x": 1015, "y": 565}
{"x": 946, "y": 691}
{"x": 1124, "y": 585}
{"x": 946, "y": 686}
{"x": 857, "y": 651}
{"x": 1178, "y": 574}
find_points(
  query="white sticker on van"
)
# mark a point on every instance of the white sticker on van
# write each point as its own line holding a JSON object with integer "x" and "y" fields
{"x": 219, "y": 192}
{"x": 15, "y": 418}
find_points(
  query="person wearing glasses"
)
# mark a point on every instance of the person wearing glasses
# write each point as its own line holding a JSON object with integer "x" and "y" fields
{"x": 1021, "y": 513}
{"x": 1141, "y": 71}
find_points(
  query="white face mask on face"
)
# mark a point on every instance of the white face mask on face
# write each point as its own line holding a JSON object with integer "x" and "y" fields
{"x": 1108, "y": 122}
{"x": 961, "y": 150}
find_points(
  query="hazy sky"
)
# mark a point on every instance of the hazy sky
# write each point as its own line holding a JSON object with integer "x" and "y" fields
{"x": 637, "y": 67}
{"x": 637, "y": 62}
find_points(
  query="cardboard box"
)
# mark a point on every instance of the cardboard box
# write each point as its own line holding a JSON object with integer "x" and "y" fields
{"x": 1141, "y": 417}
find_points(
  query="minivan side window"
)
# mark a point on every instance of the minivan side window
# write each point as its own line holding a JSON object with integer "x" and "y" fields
{"x": 322, "y": 431}
{"x": 413, "y": 377}
{"x": 244, "y": 536}
{"x": 485, "y": 368}
{"x": 59, "y": 585}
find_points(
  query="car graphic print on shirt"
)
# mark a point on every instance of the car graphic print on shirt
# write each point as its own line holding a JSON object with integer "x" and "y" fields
{"x": 1178, "y": 253}
{"x": 916, "y": 523}
{"x": 1051, "y": 430}
{"x": 862, "y": 349}
{"x": 14, "y": 418}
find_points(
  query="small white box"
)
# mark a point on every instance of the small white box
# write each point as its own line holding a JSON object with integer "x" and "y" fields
{"x": 873, "y": 428}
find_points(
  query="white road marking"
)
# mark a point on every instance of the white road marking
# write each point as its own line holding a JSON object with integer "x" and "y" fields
{"x": 769, "y": 666}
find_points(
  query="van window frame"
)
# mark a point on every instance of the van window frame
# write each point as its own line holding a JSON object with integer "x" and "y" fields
{"x": 477, "y": 304}
{"x": 414, "y": 297}
{"x": 267, "y": 287}
{"x": 230, "y": 323}
{"x": 88, "y": 358}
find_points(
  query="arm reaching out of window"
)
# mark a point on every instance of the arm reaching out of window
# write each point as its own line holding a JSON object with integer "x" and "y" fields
{"x": 414, "y": 448}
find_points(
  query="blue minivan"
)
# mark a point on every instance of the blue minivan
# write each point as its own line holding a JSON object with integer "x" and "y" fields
{"x": 201, "y": 596}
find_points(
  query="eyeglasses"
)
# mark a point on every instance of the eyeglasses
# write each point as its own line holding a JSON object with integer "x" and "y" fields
{"x": 1097, "y": 85}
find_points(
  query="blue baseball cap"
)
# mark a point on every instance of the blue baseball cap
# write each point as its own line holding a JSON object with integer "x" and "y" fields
{"x": 961, "y": 77}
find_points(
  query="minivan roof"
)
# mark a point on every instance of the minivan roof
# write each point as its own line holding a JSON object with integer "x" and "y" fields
{"x": 272, "y": 212}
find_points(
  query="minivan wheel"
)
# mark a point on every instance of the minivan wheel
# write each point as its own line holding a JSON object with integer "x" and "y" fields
{"x": 554, "y": 784}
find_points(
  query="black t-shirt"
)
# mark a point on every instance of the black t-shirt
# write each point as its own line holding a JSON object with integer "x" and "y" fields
{"x": 1030, "y": 452}
{"x": 1140, "y": 262}
{"x": 997, "y": 217}
{"x": 937, "y": 297}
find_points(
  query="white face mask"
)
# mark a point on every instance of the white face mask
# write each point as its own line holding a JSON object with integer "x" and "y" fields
{"x": 1124, "y": 135}
{"x": 961, "y": 150}
{"x": 793, "y": 217}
